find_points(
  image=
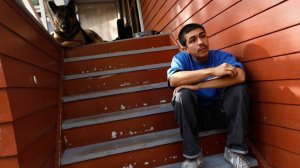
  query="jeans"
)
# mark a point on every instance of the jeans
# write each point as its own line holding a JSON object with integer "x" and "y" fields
{"x": 231, "y": 111}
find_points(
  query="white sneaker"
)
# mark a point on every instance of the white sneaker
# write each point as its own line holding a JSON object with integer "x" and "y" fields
{"x": 237, "y": 160}
{"x": 193, "y": 163}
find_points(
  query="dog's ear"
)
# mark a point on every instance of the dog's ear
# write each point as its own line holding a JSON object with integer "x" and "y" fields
{"x": 71, "y": 5}
{"x": 52, "y": 6}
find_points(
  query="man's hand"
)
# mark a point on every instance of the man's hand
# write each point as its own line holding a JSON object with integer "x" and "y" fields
{"x": 225, "y": 69}
{"x": 191, "y": 87}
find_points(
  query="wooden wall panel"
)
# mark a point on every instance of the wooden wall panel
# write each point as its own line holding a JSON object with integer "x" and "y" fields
{"x": 30, "y": 128}
{"x": 275, "y": 44}
{"x": 24, "y": 74}
{"x": 275, "y": 68}
{"x": 264, "y": 36}
{"x": 5, "y": 113}
{"x": 281, "y": 115}
{"x": 186, "y": 13}
{"x": 149, "y": 9}
{"x": 28, "y": 109}
{"x": 173, "y": 12}
{"x": 7, "y": 140}
{"x": 282, "y": 91}
{"x": 160, "y": 14}
{"x": 279, "y": 137}
{"x": 13, "y": 17}
{"x": 279, "y": 17}
{"x": 279, "y": 157}
{"x": 210, "y": 11}
{"x": 25, "y": 52}
{"x": 237, "y": 14}
{"x": 153, "y": 12}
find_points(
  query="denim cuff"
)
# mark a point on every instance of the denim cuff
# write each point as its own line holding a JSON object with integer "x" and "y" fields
{"x": 194, "y": 156}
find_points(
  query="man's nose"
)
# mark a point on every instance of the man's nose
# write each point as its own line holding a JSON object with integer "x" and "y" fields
{"x": 200, "y": 41}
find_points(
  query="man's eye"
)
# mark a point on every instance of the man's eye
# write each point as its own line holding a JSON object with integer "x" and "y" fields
{"x": 192, "y": 40}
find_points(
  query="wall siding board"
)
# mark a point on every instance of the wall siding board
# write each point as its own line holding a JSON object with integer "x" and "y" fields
{"x": 2, "y": 77}
{"x": 26, "y": 29}
{"x": 282, "y": 91}
{"x": 160, "y": 14}
{"x": 237, "y": 13}
{"x": 30, "y": 128}
{"x": 281, "y": 115}
{"x": 32, "y": 54}
{"x": 37, "y": 154}
{"x": 278, "y": 157}
{"x": 275, "y": 68}
{"x": 186, "y": 13}
{"x": 36, "y": 100}
{"x": 274, "y": 44}
{"x": 277, "y": 136}
{"x": 210, "y": 11}
{"x": 280, "y": 17}
{"x": 149, "y": 9}
{"x": 153, "y": 12}
{"x": 172, "y": 13}
{"x": 24, "y": 74}
{"x": 5, "y": 113}
{"x": 9, "y": 162}
{"x": 8, "y": 145}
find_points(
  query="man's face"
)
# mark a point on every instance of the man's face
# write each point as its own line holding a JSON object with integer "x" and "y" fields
{"x": 197, "y": 44}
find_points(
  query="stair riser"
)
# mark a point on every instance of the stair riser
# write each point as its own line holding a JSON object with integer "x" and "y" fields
{"x": 116, "y": 81}
{"x": 155, "y": 156}
{"x": 116, "y": 103}
{"x": 118, "y": 129}
{"x": 118, "y": 46}
{"x": 112, "y": 63}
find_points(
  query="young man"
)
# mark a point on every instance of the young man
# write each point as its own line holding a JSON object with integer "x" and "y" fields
{"x": 209, "y": 94}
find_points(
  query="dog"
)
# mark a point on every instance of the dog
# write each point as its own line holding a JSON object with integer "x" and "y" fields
{"x": 67, "y": 29}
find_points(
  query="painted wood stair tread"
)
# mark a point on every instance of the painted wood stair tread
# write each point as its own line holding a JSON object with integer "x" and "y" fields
{"x": 88, "y": 152}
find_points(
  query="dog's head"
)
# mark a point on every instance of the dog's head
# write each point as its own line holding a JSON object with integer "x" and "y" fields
{"x": 64, "y": 16}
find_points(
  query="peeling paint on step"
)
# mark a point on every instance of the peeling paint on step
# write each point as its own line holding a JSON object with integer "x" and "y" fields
{"x": 163, "y": 101}
{"x": 122, "y": 107}
{"x": 114, "y": 134}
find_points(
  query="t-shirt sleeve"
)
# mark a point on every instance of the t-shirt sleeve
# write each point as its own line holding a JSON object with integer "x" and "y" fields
{"x": 230, "y": 59}
{"x": 176, "y": 65}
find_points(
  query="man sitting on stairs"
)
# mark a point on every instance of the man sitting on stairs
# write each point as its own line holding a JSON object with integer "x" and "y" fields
{"x": 209, "y": 94}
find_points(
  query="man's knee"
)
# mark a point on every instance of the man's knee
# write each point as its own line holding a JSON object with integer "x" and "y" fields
{"x": 184, "y": 95}
{"x": 240, "y": 90}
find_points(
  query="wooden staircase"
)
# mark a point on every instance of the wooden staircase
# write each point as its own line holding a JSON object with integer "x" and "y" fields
{"x": 117, "y": 111}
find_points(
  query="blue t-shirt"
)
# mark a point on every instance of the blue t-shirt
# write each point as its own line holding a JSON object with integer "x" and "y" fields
{"x": 183, "y": 62}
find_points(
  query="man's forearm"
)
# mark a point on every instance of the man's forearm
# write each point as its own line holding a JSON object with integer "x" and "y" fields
{"x": 222, "y": 82}
{"x": 189, "y": 77}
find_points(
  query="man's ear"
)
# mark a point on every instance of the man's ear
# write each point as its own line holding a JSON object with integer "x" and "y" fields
{"x": 52, "y": 6}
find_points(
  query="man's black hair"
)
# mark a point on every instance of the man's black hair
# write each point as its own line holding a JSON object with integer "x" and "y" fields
{"x": 186, "y": 29}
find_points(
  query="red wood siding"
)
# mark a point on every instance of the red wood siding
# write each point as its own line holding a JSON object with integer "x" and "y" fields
{"x": 264, "y": 35}
{"x": 28, "y": 109}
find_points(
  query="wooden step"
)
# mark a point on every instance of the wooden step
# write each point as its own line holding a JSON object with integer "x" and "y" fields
{"x": 98, "y": 63}
{"x": 108, "y": 104}
{"x": 120, "y": 115}
{"x": 138, "y": 144}
{"x": 111, "y": 125}
{"x": 120, "y": 46}
{"x": 215, "y": 161}
{"x": 115, "y": 81}
{"x": 114, "y": 92}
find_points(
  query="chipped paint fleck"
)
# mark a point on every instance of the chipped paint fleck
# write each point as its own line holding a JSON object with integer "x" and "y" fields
{"x": 65, "y": 138}
{"x": 121, "y": 133}
{"x": 146, "y": 163}
{"x": 122, "y": 107}
{"x": 130, "y": 132}
{"x": 95, "y": 69}
{"x": 114, "y": 134}
{"x": 146, "y": 82}
{"x": 163, "y": 101}
{"x": 105, "y": 108}
{"x": 145, "y": 104}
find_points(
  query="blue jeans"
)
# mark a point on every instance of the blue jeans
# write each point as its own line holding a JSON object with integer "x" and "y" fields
{"x": 231, "y": 111}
